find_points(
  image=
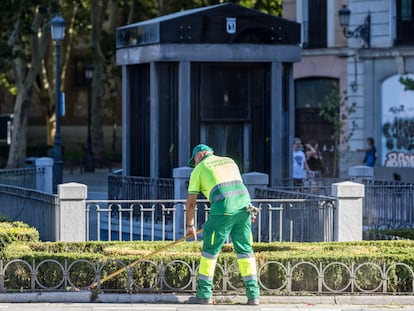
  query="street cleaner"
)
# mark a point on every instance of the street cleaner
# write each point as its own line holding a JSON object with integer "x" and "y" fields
{"x": 219, "y": 180}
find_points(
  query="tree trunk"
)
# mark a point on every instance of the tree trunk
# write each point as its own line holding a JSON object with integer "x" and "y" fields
{"x": 50, "y": 129}
{"x": 98, "y": 12}
{"x": 17, "y": 153}
{"x": 25, "y": 75}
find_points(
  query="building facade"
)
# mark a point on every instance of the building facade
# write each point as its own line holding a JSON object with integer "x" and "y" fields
{"x": 367, "y": 70}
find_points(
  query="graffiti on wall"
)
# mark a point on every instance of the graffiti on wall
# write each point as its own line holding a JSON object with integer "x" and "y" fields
{"x": 397, "y": 124}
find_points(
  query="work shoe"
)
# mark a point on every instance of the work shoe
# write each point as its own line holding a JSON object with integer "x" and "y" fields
{"x": 200, "y": 301}
{"x": 253, "y": 301}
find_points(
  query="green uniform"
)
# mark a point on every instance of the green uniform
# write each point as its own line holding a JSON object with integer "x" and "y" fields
{"x": 219, "y": 179}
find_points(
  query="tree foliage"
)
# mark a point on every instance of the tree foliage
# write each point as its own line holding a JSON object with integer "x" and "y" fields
{"x": 408, "y": 83}
{"x": 24, "y": 38}
{"x": 27, "y": 62}
{"x": 335, "y": 110}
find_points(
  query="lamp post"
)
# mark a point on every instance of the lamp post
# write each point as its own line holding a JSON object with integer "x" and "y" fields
{"x": 362, "y": 31}
{"x": 57, "y": 27}
{"x": 89, "y": 167}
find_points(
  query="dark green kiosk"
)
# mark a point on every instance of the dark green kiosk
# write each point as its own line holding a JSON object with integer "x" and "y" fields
{"x": 220, "y": 75}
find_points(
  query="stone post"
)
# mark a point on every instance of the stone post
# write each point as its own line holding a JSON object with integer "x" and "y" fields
{"x": 255, "y": 180}
{"x": 181, "y": 177}
{"x": 71, "y": 216}
{"x": 360, "y": 172}
{"x": 348, "y": 214}
{"x": 44, "y": 182}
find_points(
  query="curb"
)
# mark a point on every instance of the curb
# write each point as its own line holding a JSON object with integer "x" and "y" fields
{"x": 88, "y": 297}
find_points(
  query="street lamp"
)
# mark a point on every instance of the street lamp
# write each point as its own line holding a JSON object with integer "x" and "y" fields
{"x": 57, "y": 28}
{"x": 362, "y": 31}
{"x": 89, "y": 167}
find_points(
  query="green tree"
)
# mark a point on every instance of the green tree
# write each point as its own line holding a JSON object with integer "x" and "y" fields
{"x": 408, "y": 83}
{"x": 335, "y": 109}
{"x": 23, "y": 47}
{"x": 105, "y": 16}
{"x": 274, "y": 7}
{"x": 27, "y": 62}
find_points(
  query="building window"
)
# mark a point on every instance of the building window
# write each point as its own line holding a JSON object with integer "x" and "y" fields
{"x": 405, "y": 22}
{"x": 310, "y": 97}
{"x": 315, "y": 22}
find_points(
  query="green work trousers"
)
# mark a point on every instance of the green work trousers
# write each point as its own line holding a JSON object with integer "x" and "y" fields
{"x": 216, "y": 230}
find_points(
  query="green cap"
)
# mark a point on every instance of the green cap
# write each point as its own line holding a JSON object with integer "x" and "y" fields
{"x": 198, "y": 148}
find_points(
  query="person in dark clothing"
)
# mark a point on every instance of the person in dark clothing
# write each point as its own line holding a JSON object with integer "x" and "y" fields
{"x": 370, "y": 152}
{"x": 314, "y": 159}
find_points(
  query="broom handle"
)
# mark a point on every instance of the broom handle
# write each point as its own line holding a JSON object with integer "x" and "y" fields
{"x": 144, "y": 258}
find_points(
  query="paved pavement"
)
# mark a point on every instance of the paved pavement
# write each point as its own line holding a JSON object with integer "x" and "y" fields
{"x": 170, "y": 302}
{"x": 85, "y": 301}
{"x": 97, "y": 182}
{"x": 171, "y": 307}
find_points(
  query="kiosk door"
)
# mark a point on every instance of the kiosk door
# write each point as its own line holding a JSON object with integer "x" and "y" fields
{"x": 230, "y": 101}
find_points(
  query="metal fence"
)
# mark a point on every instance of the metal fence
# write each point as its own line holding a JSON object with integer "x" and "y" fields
{"x": 142, "y": 188}
{"x": 305, "y": 214}
{"x": 37, "y": 209}
{"x": 302, "y": 217}
{"x": 149, "y": 276}
{"x": 21, "y": 177}
{"x": 283, "y": 219}
{"x": 319, "y": 186}
{"x": 388, "y": 204}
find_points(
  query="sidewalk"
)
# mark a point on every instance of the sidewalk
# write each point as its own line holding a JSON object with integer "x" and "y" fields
{"x": 97, "y": 182}
{"x": 81, "y": 301}
{"x": 159, "y": 307}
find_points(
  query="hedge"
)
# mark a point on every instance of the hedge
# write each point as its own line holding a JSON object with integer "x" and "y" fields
{"x": 115, "y": 255}
{"x": 15, "y": 232}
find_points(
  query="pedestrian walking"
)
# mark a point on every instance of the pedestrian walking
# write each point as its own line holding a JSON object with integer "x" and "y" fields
{"x": 219, "y": 180}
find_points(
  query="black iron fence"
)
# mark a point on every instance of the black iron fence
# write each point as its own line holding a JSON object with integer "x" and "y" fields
{"x": 139, "y": 188}
{"x": 296, "y": 213}
{"x": 21, "y": 177}
{"x": 388, "y": 204}
{"x": 319, "y": 186}
{"x": 38, "y": 209}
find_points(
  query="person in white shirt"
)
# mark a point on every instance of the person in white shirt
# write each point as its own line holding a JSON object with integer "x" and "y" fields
{"x": 300, "y": 167}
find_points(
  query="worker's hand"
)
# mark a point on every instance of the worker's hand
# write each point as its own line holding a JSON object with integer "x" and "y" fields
{"x": 191, "y": 232}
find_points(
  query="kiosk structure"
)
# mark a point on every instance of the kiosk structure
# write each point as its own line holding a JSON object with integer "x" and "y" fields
{"x": 219, "y": 75}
